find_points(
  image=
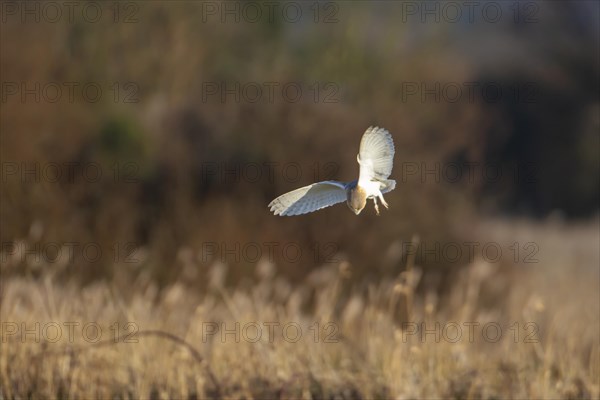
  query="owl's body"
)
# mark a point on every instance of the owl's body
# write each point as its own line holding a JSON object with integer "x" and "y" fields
{"x": 375, "y": 157}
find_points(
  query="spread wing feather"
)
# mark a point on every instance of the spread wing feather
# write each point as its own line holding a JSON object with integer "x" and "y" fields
{"x": 309, "y": 198}
{"x": 376, "y": 154}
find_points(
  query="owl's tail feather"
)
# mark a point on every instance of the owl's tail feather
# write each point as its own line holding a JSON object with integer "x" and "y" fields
{"x": 388, "y": 185}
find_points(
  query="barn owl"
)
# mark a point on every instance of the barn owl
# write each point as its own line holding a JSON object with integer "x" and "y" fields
{"x": 375, "y": 159}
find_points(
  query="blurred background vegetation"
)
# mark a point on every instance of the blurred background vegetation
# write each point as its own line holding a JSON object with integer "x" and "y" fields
{"x": 164, "y": 56}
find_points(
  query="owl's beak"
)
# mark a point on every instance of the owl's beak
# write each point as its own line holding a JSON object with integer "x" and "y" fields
{"x": 354, "y": 210}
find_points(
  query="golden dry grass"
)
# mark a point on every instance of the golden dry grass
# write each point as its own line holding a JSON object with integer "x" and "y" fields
{"x": 363, "y": 347}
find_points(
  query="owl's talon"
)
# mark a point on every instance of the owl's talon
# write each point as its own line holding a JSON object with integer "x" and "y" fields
{"x": 385, "y": 204}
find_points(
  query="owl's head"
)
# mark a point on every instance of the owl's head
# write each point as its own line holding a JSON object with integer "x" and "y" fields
{"x": 356, "y": 199}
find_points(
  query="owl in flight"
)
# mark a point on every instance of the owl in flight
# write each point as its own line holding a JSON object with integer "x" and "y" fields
{"x": 375, "y": 158}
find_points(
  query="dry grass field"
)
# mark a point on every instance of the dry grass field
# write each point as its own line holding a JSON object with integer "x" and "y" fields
{"x": 530, "y": 332}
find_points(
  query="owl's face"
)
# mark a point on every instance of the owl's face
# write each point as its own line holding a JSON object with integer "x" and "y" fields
{"x": 356, "y": 199}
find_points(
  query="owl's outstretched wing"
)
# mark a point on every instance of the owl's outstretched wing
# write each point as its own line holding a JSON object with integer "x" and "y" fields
{"x": 309, "y": 198}
{"x": 376, "y": 155}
